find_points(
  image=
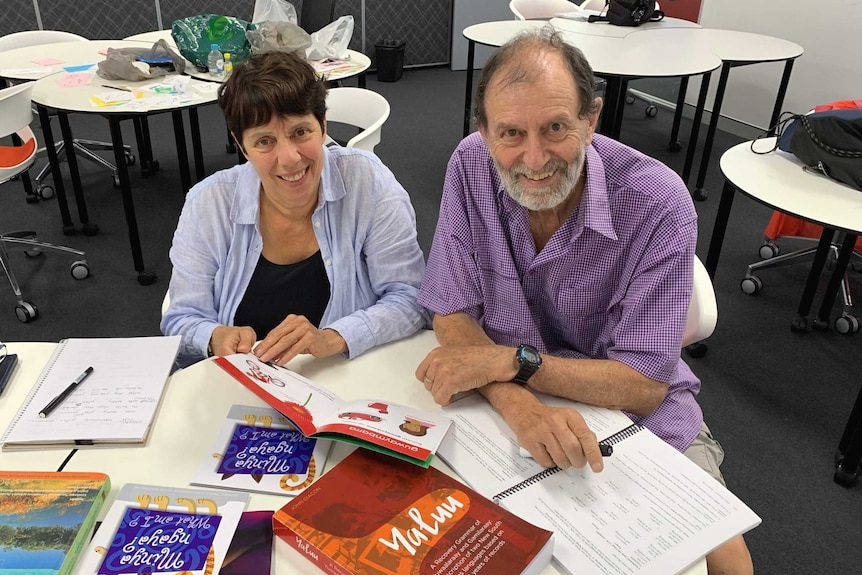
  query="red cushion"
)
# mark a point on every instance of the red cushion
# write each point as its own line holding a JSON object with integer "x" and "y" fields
{"x": 14, "y": 155}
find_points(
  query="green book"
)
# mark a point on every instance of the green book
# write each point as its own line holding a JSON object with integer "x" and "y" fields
{"x": 47, "y": 518}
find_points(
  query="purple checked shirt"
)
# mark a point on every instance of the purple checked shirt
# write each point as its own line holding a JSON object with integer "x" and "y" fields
{"x": 613, "y": 282}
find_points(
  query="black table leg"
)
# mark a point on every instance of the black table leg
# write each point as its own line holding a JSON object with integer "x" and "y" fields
{"x": 197, "y": 149}
{"x": 144, "y": 277}
{"x": 699, "y": 193}
{"x": 800, "y": 322}
{"x": 779, "y": 99}
{"x": 835, "y": 280}
{"x": 613, "y": 98}
{"x": 695, "y": 127}
{"x": 72, "y": 159}
{"x": 148, "y": 164}
{"x": 718, "y": 229}
{"x": 56, "y": 174}
{"x": 182, "y": 154}
{"x": 674, "y": 145}
{"x": 468, "y": 96}
{"x": 361, "y": 80}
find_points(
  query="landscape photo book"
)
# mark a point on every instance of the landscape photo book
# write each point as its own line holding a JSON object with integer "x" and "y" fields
{"x": 46, "y": 519}
{"x": 376, "y": 515}
{"x": 258, "y": 449}
{"x": 399, "y": 431}
{"x": 152, "y": 529}
{"x": 120, "y": 385}
{"x": 650, "y": 511}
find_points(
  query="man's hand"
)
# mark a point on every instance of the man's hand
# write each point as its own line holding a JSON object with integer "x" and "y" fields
{"x": 453, "y": 369}
{"x": 556, "y": 436}
{"x": 227, "y": 339}
{"x": 296, "y": 335}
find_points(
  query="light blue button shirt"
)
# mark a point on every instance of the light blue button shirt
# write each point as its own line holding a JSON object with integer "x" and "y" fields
{"x": 365, "y": 227}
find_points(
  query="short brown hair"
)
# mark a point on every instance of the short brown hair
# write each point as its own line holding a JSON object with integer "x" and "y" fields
{"x": 509, "y": 57}
{"x": 271, "y": 84}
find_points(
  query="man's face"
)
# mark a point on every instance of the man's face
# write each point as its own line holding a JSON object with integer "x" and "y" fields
{"x": 534, "y": 134}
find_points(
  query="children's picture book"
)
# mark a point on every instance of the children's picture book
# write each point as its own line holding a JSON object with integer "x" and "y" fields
{"x": 250, "y": 551}
{"x": 396, "y": 430}
{"x": 375, "y": 515}
{"x": 650, "y": 511}
{"x": 152, "y": 529}
{"x": 46, "y": 519}
{"x": 259, "y": 449}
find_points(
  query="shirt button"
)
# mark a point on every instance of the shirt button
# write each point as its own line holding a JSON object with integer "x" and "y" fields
{"x": 316, "y": 223}
{"x": 328, "y": 262}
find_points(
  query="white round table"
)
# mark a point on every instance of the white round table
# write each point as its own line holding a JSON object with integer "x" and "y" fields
{"x": 22, "y": 63}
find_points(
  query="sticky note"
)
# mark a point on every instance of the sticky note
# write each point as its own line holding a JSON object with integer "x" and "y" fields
{"x": 47, "y": 61}
{"x": 74, "y": 80}
{"x": 78, "y": 68}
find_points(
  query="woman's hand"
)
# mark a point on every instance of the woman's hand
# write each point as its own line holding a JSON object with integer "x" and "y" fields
{"x": 227, "y": 339}
{"x": 296, "y": 335}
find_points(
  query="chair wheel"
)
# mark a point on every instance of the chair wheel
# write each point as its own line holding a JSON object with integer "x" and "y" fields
{"x": 45, "y": 192}
{"x": 115, "y": 179}
{"x": 630, "y": 99}
{"x": 130, "y": 159}
{"x": 33, "y": 253}
{"x": 651, "y": 111}
{"x": 847, "y": 324}
{"x": 26, "y": 312}
{"x": 768, "y": 250}
{"x": 79, "y": 269}
{"x": 751, "y": 285}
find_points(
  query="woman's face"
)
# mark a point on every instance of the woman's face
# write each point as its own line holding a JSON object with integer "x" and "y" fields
{"x": 287, "y": 154}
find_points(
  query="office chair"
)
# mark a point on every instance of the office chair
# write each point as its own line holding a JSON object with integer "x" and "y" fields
{"x": 15, "y": 117}
{"x": 357, "y": 107}
{"x": 83, "y": 147}
{"x": 702, "y": 312}
{"x": 316, "y": 14}
{"x": 782, "y": 225}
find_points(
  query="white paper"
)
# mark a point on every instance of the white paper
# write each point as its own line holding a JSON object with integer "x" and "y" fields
{"x": 116, "y": 403}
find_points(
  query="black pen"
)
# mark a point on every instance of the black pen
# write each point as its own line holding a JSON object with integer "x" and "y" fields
{"x": 65, "y": 393}
{"x": 116, "y": 88}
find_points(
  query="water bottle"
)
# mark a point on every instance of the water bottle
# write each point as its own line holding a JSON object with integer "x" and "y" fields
{"x": 215, "y": 62}
{"x": 228, "y": 65}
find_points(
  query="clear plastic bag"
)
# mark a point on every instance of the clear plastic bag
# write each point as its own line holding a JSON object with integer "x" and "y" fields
{"x": 274, "y": 11}
{"x": 281, "y": 36}
{"x": 332, "y": 40}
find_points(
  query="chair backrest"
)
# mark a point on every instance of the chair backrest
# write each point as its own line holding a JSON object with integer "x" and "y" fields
{"x": 702, "y": 309}
{"x": 15, "y": 117}
{"x": 358, "y": 107}
{"x": 534, "y": 9}
{"x": 36, "y": 38}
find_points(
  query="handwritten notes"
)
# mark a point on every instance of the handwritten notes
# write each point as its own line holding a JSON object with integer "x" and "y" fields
{"x": 74, "y": 80}
{"x": 154, "y": 541}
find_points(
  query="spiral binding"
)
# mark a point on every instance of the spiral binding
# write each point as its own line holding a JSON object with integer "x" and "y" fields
{"x": 36, "y": 386}
{"x": 526, "y": 483}
{"x": 621, "y": 434}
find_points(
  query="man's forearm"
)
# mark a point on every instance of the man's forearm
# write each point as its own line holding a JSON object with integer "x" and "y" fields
{"x": 459, "y": 329}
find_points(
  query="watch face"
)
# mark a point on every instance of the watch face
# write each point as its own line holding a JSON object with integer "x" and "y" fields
{"x": 530, "y": 354}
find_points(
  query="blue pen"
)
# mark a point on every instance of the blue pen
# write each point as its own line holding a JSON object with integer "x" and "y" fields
{"x": 65, "y": 393}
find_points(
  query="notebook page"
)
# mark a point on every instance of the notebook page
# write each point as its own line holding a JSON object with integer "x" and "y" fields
{"x": 117, "y": 402}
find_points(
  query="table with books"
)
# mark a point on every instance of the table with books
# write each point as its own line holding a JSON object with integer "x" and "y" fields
{"x": 197, "y": 403}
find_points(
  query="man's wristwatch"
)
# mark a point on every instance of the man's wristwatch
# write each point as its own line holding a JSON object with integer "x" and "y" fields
{"x": 529, "y": 361}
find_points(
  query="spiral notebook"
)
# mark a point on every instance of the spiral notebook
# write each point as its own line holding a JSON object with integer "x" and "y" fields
{"x": 116, "y": 404}
{"x": 651, "y": 511}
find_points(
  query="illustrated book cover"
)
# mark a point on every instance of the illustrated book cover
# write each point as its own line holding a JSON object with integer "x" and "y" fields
{"x": 376, "y": 515}
{"x": 259, "y": 449}
{"x": 115, "y": 405}
{"x": 650, "y": 511}
{"x": 152, "y": 529}
{"x": 250, "y": 551}
{"x": 46, "y": 519}
{"x": 399, "y": 431}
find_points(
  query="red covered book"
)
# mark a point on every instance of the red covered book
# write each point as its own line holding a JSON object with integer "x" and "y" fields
{"x": 375, "y": 515}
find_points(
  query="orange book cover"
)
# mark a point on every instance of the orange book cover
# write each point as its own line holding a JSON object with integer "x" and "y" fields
{"x": 375, "y": 515}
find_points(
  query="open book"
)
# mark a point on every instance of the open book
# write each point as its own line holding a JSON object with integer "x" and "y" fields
{"x": 396, "y": 430}
{"x": 651, "y": 511}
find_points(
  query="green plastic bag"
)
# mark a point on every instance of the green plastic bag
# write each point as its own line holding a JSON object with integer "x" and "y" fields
{"x": 196, "y": 34}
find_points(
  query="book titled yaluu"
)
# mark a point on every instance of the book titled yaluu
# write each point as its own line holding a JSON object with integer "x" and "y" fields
{"x": 650, "y": 511}
{"x": 396, "y": 430}
{"x": 151, "y": 529}
{"x": 46, "y": 519}
{"x": 258, "y": 449}
{"x": 375, "y": 515}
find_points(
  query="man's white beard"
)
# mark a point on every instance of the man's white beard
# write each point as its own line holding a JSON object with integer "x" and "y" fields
{"x": 545, "y": 197}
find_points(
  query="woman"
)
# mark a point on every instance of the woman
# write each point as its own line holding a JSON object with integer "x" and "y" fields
{"x": 309, "y": 248}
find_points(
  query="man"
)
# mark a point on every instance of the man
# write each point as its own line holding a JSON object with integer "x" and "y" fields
{"x": 562, "y": 263}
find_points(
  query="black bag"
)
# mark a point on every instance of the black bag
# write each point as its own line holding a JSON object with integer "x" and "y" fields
{"x": 831, "y": 144}
{"x": 629, "y": 13}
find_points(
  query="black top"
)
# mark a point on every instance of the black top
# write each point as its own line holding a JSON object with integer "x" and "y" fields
{"x": 276, "y": 291}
